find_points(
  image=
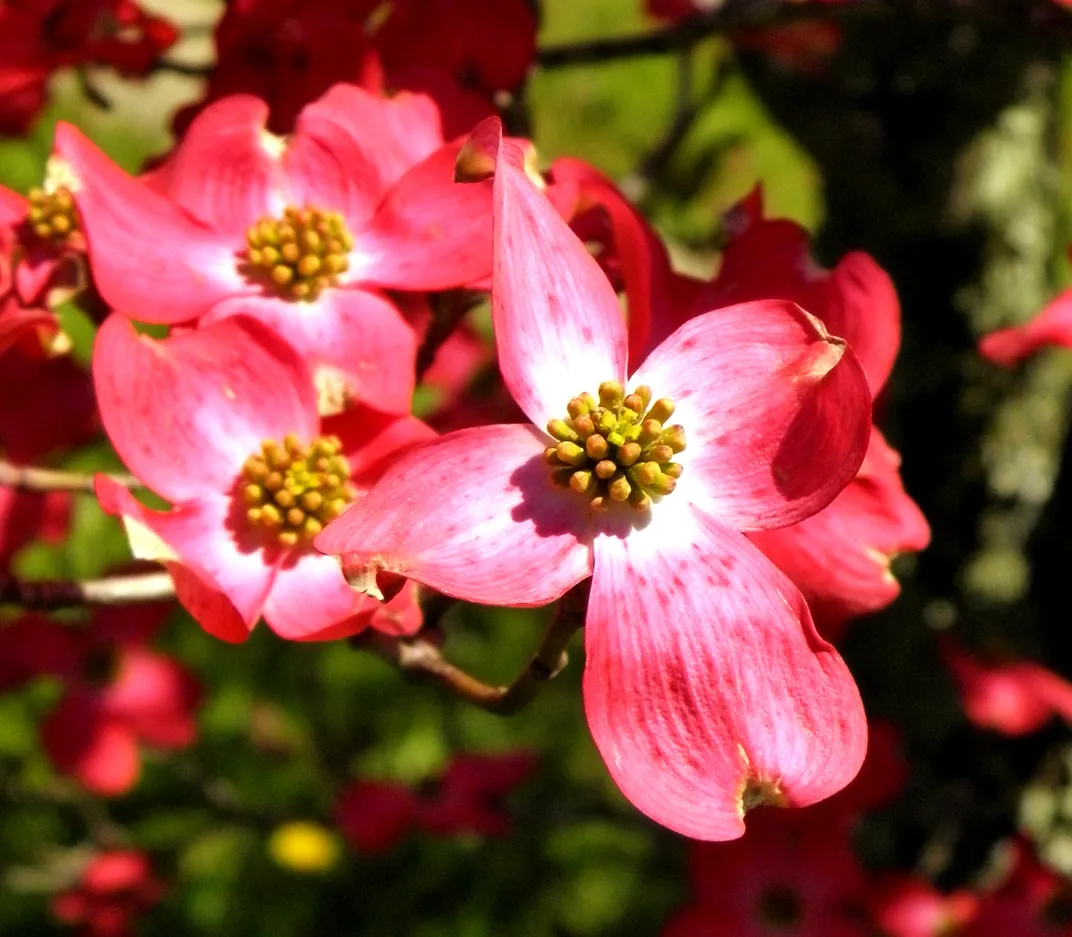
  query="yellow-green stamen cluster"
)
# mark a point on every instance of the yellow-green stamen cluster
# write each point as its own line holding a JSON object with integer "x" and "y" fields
{"x": 302, "y": 253}
{"x": 617, "y": 448}
{"x": 52, "y": 215}
{"x": 293, "y": 491}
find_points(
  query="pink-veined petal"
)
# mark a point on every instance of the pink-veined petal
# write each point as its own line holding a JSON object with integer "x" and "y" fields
{"x": 473, "y": 514}
{"x": 221, "y": 572}
{"x": 777, "y": 413}
{"x": 428, "y": 233}
{"x": 558, "y": 326}
{"x": 840, "y": 557}
{"x": 1052, "y": 326}
{"x": 224, "y": 173}
{"x": 311, "y": 601}
{"x": 350, "y": 146}
{"x": 184, "y": 413}
{"x": 706, "y": 686}
{"x": 356, "y": 343}
{"x": 149, "y": 259}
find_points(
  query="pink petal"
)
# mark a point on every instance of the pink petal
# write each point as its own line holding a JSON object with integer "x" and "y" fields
{"x": 13, "y": 207}
{"x": 840, "y": 557}
{"x": 474, "y": 515}
{"x": 224, "y": 172}
{"x": 372, "y": 441}
{"x": 310, "y": 601}
{"x": 184, "y": 413}
{"x": 148, "y": 258}
{"x": 352, "y": 339}
{"x": 777, "y": 413}
{"x": 706, "y": 685}
{"x": 558, "y": 326}
{"x": 1052, "y": 326}
{"x": 221, "y": 572}
{"x": 428, "y": 233}
{"x": 350, "y": 146}
{"x": 83, "y": 741}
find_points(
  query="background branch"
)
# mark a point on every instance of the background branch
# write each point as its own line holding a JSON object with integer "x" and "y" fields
{"x": 48, "y": 595}
{"x": 33, "y": 478}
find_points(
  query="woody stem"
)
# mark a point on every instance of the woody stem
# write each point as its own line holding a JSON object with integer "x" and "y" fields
{"x": 33, "y": 478}
{"x": 48, "y": 595}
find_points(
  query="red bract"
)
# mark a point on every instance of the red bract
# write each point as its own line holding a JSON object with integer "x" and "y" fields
{"x": 32, "y": 647}
{"x": 1052, "y": 326}
{"x": 789, "y": 876}
{"x": 706, "y": 687}
{"x": 298, "y": 234}
{"x": 1011, "y": 697}
{"x": 839, "y": 558}
{"x": 116, "y": 888}
{"x": 239, "y": 406}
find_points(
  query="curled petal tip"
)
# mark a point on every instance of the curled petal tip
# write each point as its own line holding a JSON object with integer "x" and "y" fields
{"x": 477, "y": 158}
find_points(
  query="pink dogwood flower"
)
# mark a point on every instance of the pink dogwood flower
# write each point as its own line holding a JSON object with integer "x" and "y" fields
{"x": 300, "y": 233}
{"x": 707, "y": 688}
{"x": 222, "y": 422}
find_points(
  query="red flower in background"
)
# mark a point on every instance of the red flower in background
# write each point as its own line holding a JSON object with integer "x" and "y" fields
{"x": 909, "y": 906}
{"x": 374, "y": 816}
{"x": 39, "y": 36}
{"x": 115, "y": 889}
{"x": 299, "y": 234}
{"x": 251, "y": 471}
{"x": 119, "y": 694}
{"x": 693, "y": 638}
{"x": 288, "y": 53}
{"x": 1013, "y": 697}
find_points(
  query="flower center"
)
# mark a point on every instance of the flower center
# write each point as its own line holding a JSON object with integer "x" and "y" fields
{"x": 301, "y": 254}
{"x": 293, "y": 491}
{"x": 617, "y": 448}
{"x": 52, "y": 215}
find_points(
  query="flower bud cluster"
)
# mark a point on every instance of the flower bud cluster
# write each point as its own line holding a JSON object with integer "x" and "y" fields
{"x": 52, "y": 215}
{"x": 301, "y": 254}
{"x": 617, "y": 448}
{"x": 293, "y": 491}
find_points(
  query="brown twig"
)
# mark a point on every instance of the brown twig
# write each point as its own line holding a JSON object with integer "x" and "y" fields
{"x": 33, "y": 478}
{"x": 49, "y": 595}
{"x": 448, "y": 311}
{"x": 420, "y": 657}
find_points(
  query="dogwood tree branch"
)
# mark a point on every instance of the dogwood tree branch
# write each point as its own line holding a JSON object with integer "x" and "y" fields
{"x": 49, "y": 595}
{"x": 33, "y": 478}
{"x": 421, "y": 657}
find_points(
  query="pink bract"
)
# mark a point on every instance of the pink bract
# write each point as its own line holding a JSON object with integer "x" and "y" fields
{"x": 225, "y": 388}
{"x": 706, "y": 687}
{"x": 172, "y": 248}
